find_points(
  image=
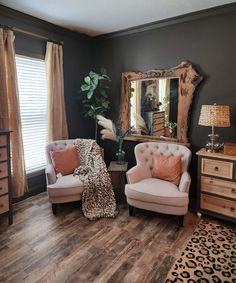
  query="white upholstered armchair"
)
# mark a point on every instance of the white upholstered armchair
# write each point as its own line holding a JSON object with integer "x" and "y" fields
{"x": 66, "y": 188}
{"x": 146, "y": 192}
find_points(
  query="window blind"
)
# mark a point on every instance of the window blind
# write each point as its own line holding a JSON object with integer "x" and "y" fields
{"x": 32, "y": 84}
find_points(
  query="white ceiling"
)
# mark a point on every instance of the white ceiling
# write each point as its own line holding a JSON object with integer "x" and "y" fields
{"x": 95, "y": 17}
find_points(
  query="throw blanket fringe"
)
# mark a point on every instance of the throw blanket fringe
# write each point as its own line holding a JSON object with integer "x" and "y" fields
{"x": 98, "y": 199}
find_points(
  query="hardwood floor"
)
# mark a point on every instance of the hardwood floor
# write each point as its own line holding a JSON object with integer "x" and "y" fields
{"x": 41, "y": 247}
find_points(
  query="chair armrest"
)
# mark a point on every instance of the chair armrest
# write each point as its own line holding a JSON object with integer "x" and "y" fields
{"x": 50, "y": 174}
{"x": 138, "y": 173}
{"x": 185, "y": 182}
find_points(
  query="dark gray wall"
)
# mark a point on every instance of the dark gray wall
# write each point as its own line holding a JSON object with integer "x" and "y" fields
{"x": 77, "y": 63}
{"x": 206, "y": 39}
{"x": 209, "y": 43}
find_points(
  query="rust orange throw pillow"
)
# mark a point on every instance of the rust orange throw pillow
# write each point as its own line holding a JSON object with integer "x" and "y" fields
{"x": 167, "y": 168}
{"x": 65, "y": 160}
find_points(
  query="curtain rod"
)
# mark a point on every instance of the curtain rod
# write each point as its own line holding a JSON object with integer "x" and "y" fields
{"x": 31, "y": 34}
{"x": 37, "y": 35}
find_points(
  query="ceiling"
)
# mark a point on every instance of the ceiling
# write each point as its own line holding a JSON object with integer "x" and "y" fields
{"x": 104, "y": 16}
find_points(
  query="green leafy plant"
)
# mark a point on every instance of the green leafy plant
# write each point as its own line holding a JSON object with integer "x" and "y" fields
{"x": 94, "y": 95}
{"x": 171, "y": 125}
{"x": 170, "y": 128}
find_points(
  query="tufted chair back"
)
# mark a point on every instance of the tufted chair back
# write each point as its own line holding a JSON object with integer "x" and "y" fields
{"x": 57, "y": 145}
{"x": 145, "y": 151}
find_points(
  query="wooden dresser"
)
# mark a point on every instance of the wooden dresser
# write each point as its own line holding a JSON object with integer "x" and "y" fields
{"x": 158, "y": 123}
{"x": 217, "y": 184}
{"x": 155, "y": 120}
{"x": 5, "y": 176}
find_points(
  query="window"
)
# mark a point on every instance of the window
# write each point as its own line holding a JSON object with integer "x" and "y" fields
{"x": 32, "y": 86}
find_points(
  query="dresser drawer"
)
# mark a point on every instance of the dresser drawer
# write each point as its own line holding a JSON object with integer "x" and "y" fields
{"x": 3, "y": 153}
{"x": 217, "y": 168}
{"x": 158, "y": 133}
{"x": 218, "y": 186}
{"x": 158, "y": 127}
{"x": 3, "y": 186}
{"x": 218, "y": 205}
{"x": 3, "y": 169}
{"x": 160, "y": 120}
{"x": 3, "y": 140}
{"x": 4, "y": 204}
{"x": 158, "y": 115}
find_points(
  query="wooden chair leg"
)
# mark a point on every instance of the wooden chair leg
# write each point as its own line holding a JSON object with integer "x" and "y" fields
{"x": 181, "y": 220}
{"x": 54, "y": 208}
{"x": 131, "y": 210}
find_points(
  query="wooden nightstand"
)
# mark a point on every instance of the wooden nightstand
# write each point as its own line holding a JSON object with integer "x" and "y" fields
{"x": 118, "y": 179}
{"x": 217, "y": 184}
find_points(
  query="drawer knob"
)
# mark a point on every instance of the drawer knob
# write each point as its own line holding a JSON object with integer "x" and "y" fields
{"x": 1, "y": 205}
{"x": 232, "y": 209}
{"x": 216, "y": 168}
{"x": 0, "y": 171}
{"x": 233, "y": 190}
{"x": 0, "y": 188}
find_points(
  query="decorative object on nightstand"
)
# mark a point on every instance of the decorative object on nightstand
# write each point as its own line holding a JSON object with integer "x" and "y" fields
{"x": 230, "y": 148}
{"x": 113, "y": 132}
{"x": 118, "y": 179}
{"x": 217, "y": 184}
{"x": 214, "y": 116}
{"x": 5, "y": 175}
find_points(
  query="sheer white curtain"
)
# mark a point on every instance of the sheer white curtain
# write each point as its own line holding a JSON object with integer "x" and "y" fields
{"x": 135, "y": 101}
{"x": 164, "y": 96}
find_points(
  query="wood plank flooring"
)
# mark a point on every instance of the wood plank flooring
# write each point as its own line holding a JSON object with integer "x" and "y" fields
{"x": 40, "y": 247}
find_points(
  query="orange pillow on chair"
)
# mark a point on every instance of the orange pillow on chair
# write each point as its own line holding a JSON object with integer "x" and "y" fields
{"x": 65, "y": 160}
{"x": 167, "y": 168}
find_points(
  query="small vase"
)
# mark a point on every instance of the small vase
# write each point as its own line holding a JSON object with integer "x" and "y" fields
{"x": 120, "y": 155}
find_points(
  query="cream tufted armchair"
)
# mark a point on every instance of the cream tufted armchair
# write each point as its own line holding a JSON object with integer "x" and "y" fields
{"x": 145, "y": 192}
{"x": 65, "y": 188}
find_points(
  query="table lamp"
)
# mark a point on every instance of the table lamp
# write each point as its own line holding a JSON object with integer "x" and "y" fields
{"x": 214, "y": 116}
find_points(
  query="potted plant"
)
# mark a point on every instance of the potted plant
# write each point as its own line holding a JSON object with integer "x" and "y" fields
{"x": 95, "y": 99}
{"x": 170, "y": 129}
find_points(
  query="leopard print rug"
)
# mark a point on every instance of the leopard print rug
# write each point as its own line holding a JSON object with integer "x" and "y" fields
{"x": 98, "y": 199}
{"x": 209, "y": 256}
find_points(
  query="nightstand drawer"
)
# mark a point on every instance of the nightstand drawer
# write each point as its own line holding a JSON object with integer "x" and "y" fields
{"x": 218, "y": 187}
{"x": 217, "y": 168}
{"x": 3, "y": 169}
{"x": 218, "y": 205}
{"x": 4, "y": 204}
{"x": 3, "y": 140}
{"x": 3, "y": 153}
{"x": 3, "y": 186}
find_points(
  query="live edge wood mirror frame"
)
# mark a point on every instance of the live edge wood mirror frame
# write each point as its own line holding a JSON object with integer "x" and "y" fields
{"x": 187, "y": 81}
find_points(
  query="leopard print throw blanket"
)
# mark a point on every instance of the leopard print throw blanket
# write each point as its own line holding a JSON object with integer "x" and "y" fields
{"x": 98, "y": 199}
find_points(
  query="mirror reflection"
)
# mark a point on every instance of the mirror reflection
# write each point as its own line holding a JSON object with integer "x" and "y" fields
{"x": 154, "y": 106}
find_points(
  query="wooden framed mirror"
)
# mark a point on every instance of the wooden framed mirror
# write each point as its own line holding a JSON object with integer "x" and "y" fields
{"x": 157, "y": 100}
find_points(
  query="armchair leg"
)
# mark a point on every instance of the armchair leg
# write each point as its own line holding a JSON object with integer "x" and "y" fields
{"x": 131, "y": 210}
{"x": 54, "y": 208}
{"x": 181, "y": 220}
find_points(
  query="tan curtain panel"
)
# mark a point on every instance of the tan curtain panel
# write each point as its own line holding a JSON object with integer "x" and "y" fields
{"x": 10, "y": 110}
{"x": 56, "y": 114}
